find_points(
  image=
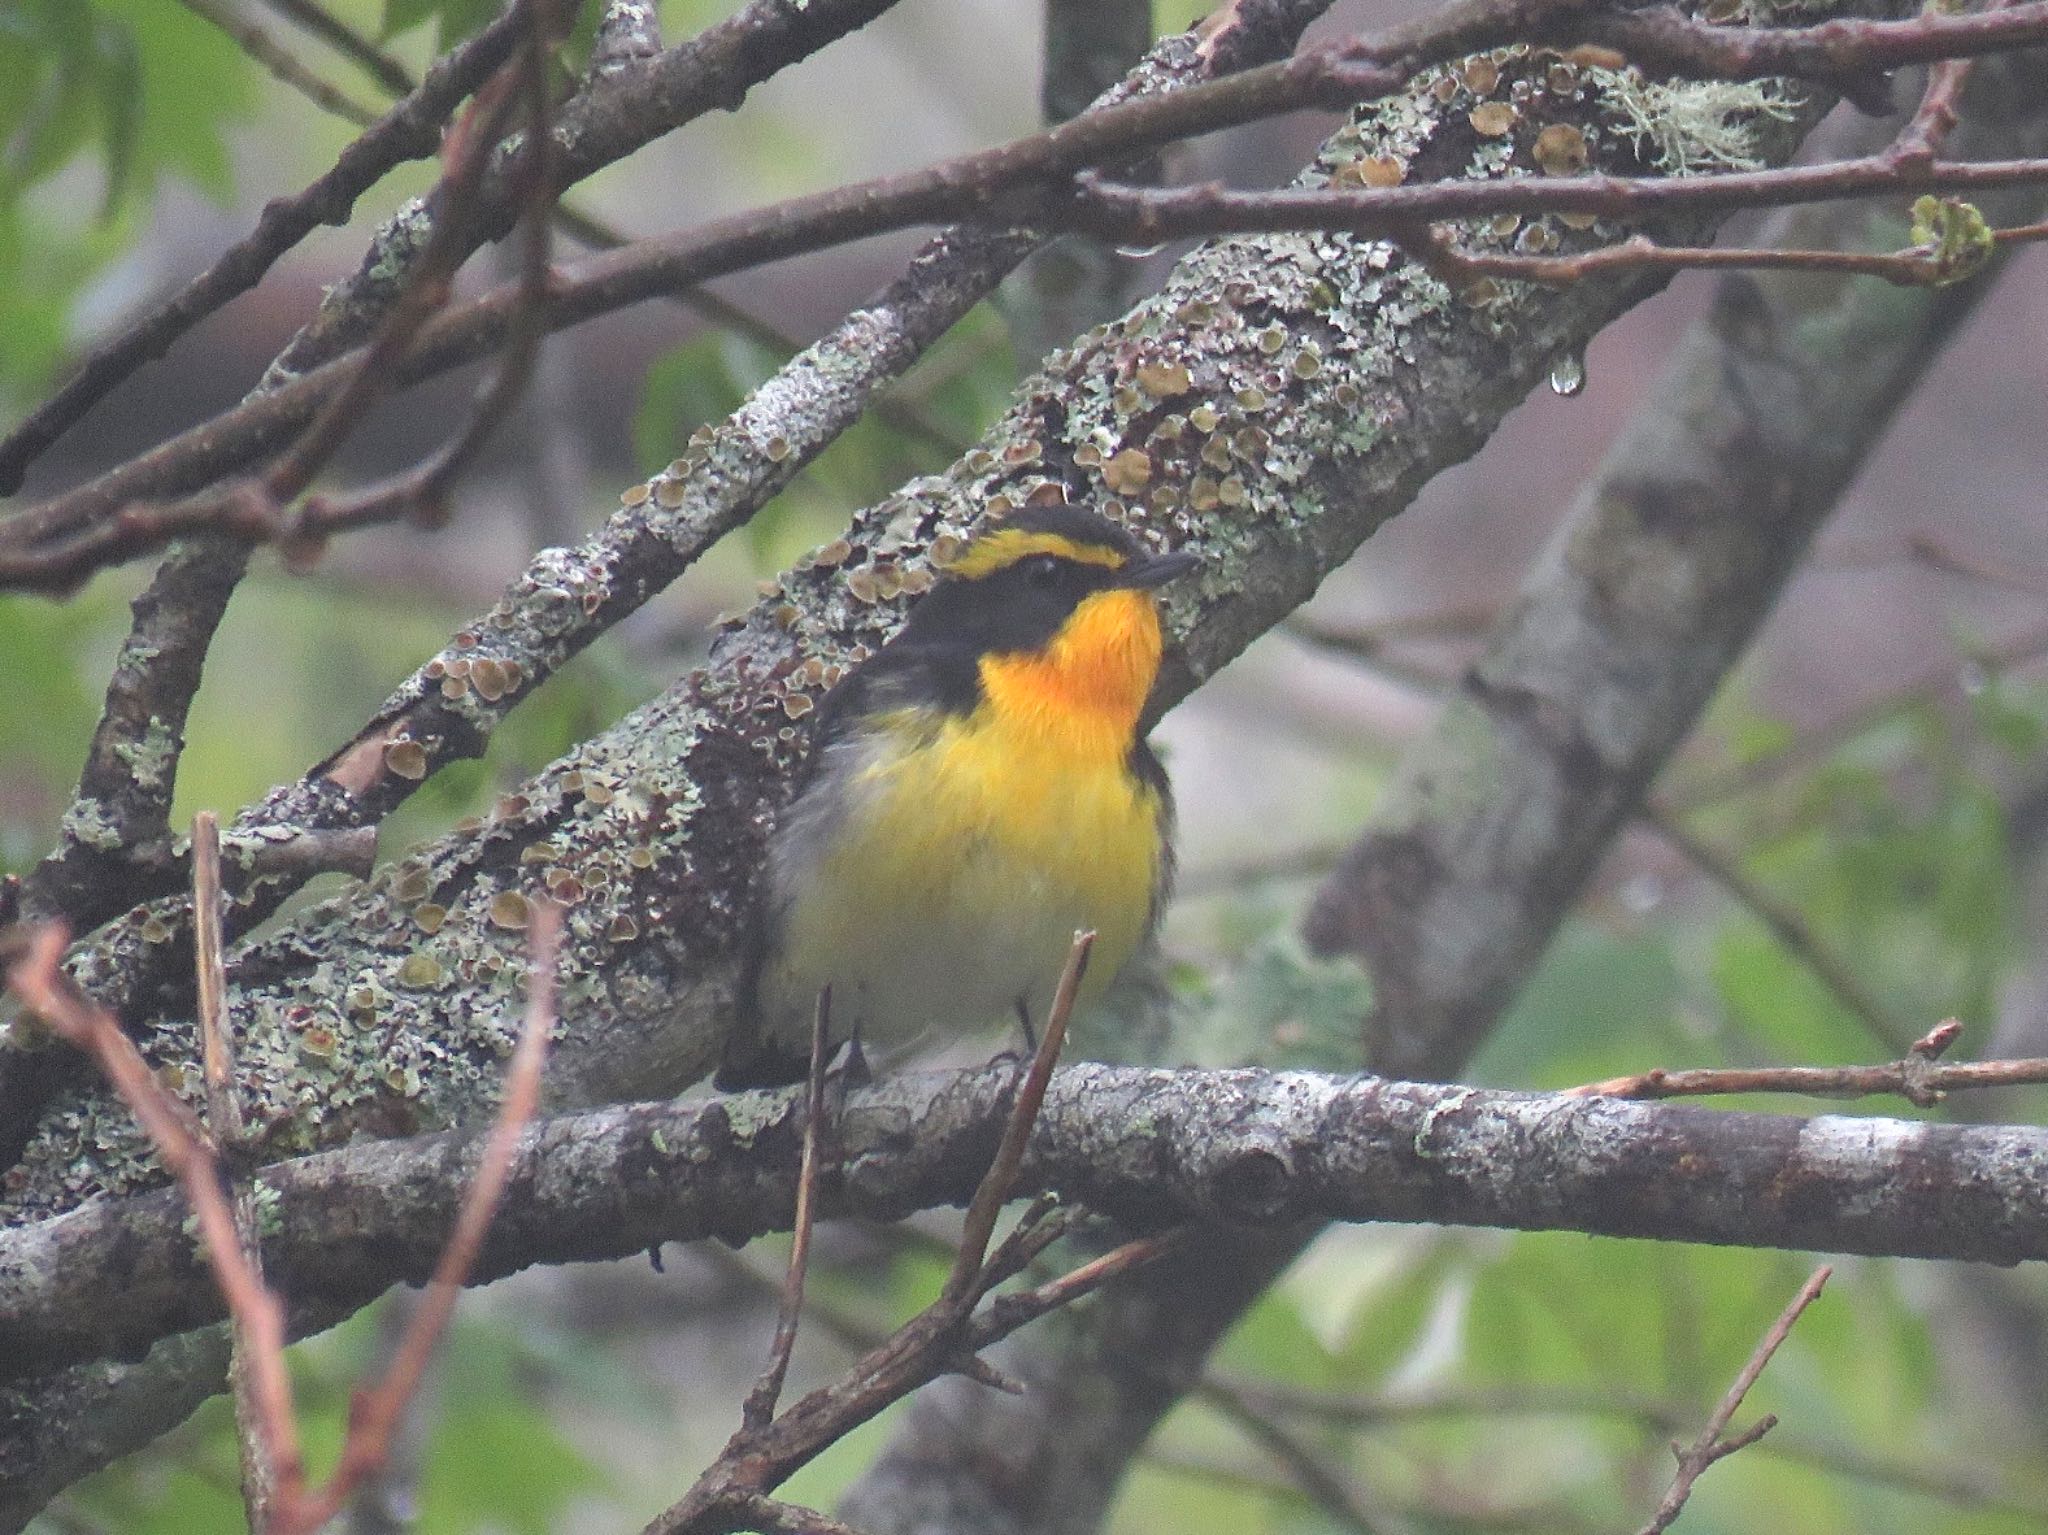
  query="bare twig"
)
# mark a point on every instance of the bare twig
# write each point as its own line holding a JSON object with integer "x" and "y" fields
{"x": 39, "y": 981}
{"x": 1002, "y": 1174}
{"x": 296, "y": 1508}
{"x": 410, "y": 130}
{"x": 421, "y": 493}
{"x": 976, "y": 186}
{"x": 1913, "y": 267}
{"x": 1786, "y": 925}
{"x": 224, "y": 1119}
{"x": 374, "y": 1417}
{"x": 945, "y": 1337}
{"x": 1324, "y": 1484}
{"x": 322, "y": 23}
{"x": 223, "y": 1106}
{"x": 1710, "y": 1447}
{"x": 1915, "y": 1077}
{"x": 759, "y": 1409}
{"x": 281, "y": 61}
{"x": 1938, "y": 682}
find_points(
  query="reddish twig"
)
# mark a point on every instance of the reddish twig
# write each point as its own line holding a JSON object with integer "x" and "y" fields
{"x": 421, "y": 494}
{"x": 297, "y": 1509}
{"x": 1710, "y": 1447}
{"x": 1913, "y": 267}
{"x": 216, "y": 1053}
{"x": 224, "y": 1120}
{"x": 409, "y": 131}
{"x": 37, "y": 978}
{"x": 1915, "y": 1077}
{"x": 759, "y": 1409}
{"x": 945, "y": 1337}
{"x": 375, "y": 1415}
{"x": 1036, "y": 175}
{"x": 995, "y": 1188}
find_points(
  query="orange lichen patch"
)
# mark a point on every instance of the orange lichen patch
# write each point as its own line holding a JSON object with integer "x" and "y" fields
{"x": 509, "y": 910}
{"x": 1561, "y": 150}
{"x": 1493, "y": 119}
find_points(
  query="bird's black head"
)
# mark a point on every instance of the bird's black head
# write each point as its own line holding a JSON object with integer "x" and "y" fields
{"x": 1023, "y": 577}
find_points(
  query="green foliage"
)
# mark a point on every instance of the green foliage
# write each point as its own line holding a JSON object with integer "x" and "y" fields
{"x": 494, "y": 1458}
{"x": 453, "y": 19}
{"x": 1954, "y": 235}
{"x": 103, "y": 98}
{"x": 55, "y": 653}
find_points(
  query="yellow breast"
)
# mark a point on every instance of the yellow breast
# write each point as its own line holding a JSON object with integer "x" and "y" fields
{"x": 973, "y": 847}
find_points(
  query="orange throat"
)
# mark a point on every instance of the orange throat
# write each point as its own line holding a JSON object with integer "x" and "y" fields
{"x": 1086, "y": 689}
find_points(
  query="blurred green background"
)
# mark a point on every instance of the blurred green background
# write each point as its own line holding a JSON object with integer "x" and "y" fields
{"x": 1876, "y": 770}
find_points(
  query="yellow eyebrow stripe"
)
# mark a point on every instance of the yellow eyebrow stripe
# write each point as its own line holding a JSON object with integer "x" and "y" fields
{"x": 997, "y": 551}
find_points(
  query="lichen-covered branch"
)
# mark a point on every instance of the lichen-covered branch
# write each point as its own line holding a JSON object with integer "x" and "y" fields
{"x": 1502, "y": 824}
{"x": 1278, "y": 400}
{"x": 1670, "y": 558}
{"x": 1151, "y": 1148}
{"x": 449, "y": 708}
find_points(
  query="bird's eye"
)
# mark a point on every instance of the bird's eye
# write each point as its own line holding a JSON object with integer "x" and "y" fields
{"x": 1042, "y": 570}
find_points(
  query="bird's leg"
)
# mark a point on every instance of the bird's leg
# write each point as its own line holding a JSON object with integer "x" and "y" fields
{"x": 1024, "y": 1023}
{"x": 854, "y": 1070}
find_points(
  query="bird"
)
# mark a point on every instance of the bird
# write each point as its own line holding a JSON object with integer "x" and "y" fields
{"x": 978, "y": 790}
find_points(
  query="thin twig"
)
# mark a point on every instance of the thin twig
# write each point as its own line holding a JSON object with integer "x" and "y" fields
{"x": 380, "y": 66}
{"x": 375, "y": 1416}
{"x": 1937, "y": 683}
{"x": 1786, "y": 925}
{"x": 759, "y": 1408}
{"x": 216, "y": 1050}
{"x": 974, "y": 186}
{"x": 224, "y": 1119}
{"x": 297, "y": 1509}
{"x": 995, "y": 1187}
{"x": 1916, "y": 1077}
{"x": 421, "y": 493}
{"x": 39, "y": 981}
{"x": 1321, "y": 1482}
{"x": 410, "y": 130}
{"x": 1914, "y": 267}
{"x": 1710, "y": 1446}
{"x": 281, "y": 62}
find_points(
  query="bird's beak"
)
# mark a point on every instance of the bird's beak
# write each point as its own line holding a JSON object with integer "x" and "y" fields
{"x": 1150, "y": 570}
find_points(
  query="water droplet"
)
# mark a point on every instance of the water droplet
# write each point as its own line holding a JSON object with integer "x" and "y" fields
{"x": 1140, "y": 252}
{"x": 1568, "y": 375}
{"x": 1973, "y": 676}
{"x": 1641, "y": 893}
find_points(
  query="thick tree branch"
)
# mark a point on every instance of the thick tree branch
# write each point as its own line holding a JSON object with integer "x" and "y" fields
{"x": 1029, "y": 174}
{"x": 1150, "y": 1148}
{"x": 448, "y": 709}
{"x": 1500, "y": 813}
{"x": 411, "y": 130}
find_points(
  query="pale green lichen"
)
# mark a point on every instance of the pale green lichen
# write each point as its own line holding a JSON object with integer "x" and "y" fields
{"x": 88, "y": 824}
{"x": 151, "y": 760}
{"x": 1684, "y": 126}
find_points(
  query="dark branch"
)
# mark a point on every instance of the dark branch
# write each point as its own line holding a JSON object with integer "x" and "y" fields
{"x": 1151, "y": 1148}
